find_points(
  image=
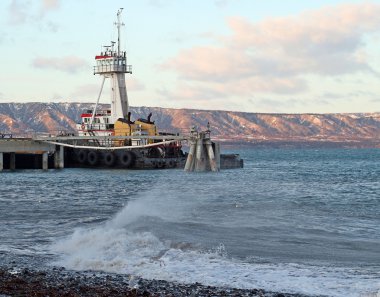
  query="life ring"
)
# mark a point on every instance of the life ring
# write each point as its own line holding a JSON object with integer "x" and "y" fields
{"x": 160, "y": 164}
{"x": 109, "y": 159}
{"x": 92, "y": 158}
{"x": 127, "y": 159}
{"x": 83, "y": 127}
{"x": 82, "y": 156}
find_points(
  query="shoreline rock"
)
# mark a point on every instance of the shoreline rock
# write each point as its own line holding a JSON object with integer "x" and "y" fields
{"x": 58, "y": 282}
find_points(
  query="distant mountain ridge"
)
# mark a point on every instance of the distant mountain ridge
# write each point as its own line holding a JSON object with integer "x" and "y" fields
{"x": 361, "y": 129}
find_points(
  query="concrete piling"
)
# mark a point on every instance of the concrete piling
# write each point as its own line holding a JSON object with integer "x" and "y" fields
{"x": 12, "y": 161}
{"x": 211, "y": 156}
{"x": 59, "y": 160}
{"x": 45, "y": 165}
{"x": 217, "y": 154}
{"x": 189, "y": 166}
{"x": 205, "y": 159}
{"x": 200, "y": 164}
{"x": 61, "y": 157}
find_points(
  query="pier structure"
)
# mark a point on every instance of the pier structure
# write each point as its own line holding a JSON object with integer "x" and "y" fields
{"x": 137, "y": 152}
{"x": 204, "y": 155}
{"x": 36, "y": 153}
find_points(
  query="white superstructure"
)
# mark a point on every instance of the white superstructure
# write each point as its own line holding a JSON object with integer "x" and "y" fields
{"x": 110, "y": 64}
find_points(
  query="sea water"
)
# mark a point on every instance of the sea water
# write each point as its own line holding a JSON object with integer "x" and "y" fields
{"x": 298, "y": 221}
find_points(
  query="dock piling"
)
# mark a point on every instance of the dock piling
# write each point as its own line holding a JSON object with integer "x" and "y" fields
{"x": 59, "y": 157}
{"x": 206, "y": 158}
{"x": 12, "y": 161}
{"x": 189, "y": 166}
{"x": 45, "y": 161}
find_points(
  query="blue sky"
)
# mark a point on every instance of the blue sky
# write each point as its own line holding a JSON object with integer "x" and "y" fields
{"x": 244, "y": 55}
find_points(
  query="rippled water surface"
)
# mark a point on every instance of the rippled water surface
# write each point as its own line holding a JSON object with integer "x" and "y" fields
{"x": 303, "y": 221}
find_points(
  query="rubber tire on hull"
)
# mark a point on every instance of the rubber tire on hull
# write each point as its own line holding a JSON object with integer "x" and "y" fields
{"x": 154, "y": 152}
{"x": 127, "y": 159}
{"x": 92, "y": 158}
{"x": 161, "y": 164}
{"x": 82, "y": 156}
{"x": 109, "y": 159}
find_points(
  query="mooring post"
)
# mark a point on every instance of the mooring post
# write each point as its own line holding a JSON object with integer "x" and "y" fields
{"x": 12, "y": 161}
{"x": 1, "y": 162}
{"x": 45, "y": 165}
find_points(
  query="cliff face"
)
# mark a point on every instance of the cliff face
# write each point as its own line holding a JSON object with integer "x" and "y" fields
{"x": 28, "y": 118}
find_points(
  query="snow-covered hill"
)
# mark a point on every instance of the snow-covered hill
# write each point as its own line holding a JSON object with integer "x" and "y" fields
{"x": 361, "y": 128}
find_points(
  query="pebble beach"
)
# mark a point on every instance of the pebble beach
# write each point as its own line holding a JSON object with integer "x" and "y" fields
{"x": 62, "y": 282}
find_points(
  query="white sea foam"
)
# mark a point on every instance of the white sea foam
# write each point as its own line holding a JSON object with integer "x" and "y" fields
{"x": 111, "y": 247}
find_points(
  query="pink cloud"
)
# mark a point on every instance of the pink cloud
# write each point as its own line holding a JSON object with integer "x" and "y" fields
{"x": 215, "y": 92}
{"x": 69, "y": 64}
{"x": 274, "y": 55}
{"x": 331, "y": 25}
{"x": 50, "y": 4}
{"x": 324, "y": 41}
{"x": 23, "y": 11}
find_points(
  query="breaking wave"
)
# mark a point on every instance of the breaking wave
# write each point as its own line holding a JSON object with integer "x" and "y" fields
{"x": 113, "y": 247}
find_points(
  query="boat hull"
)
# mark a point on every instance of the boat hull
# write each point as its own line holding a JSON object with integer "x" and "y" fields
{"x": 137, "y": 159}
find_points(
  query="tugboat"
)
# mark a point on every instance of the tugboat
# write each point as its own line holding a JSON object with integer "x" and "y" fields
{"x": 111, "y": 138}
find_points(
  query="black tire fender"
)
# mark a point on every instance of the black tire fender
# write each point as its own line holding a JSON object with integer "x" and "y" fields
{"x": 82, "y": 156}
{"x": 171, "y": 163}
{"x": 92, "y": 158}
{"x": 127, "y": 159}
{"x": 109, "y": 159}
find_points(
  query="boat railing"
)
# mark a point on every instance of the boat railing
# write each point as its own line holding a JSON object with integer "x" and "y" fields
{"x": 6, "y": 135}
{"x": 96, "y": 127}
{"x": 108, "y": 68}
{"x": 113, "y": 142}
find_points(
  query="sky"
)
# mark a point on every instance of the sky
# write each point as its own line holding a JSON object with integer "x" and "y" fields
{"x": 273, "y": 56}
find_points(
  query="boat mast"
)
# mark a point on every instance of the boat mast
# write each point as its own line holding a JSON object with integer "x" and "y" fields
{"x": 118, "y": 24}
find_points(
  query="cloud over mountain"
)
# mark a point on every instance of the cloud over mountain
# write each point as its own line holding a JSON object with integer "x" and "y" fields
{"x": 276, "y": 54}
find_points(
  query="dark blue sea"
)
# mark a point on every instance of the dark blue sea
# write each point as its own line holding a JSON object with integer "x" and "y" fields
{"x": 293, "y": 220}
